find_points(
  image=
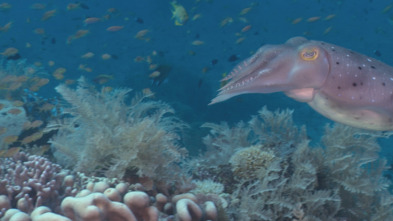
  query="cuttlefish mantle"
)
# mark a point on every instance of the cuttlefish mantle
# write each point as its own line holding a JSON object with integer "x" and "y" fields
{"x": 342, "y": 85}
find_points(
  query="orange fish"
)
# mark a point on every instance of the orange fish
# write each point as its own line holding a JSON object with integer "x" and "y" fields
{"x": 197, "y": 42}
{"x": 6, "y": 27}
{"x": 59, "y": 73}
{"x": 9, "y": 52}
{"x": 5, "y": 6}
{"x": 46, "y": 107}
{"x": 226, "y": 21}
{"x": 91, "y": 20}
{"x": 141, "y": 34}
{"x": 36, "y": 123}
{"x": 39, "y": 31}
{"x": 240, "y": 40}
{"x": 327, "y": 30}
{"x": 14, "y": 111}
{"x": 106, "y": 56}
{"x": 102, "y": 78}
{"x": 115, "y": 28}
{"x": 49, "y": 14}
{"x": 10, "y": 139}
{"x": 312, "y": 19}
{"x": 79, "y": 34}
{"x": 327, "y": 18}
{"x": 10, "y": 152}
{"x": 245, "y": 11}
{"x": 73, "y": 6}
{"x": 296, "y": 20}
{"x": 88, "y": 55}
{"x": 246, "y": 28}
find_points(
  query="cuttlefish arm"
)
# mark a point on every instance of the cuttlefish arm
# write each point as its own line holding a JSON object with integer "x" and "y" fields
{"x": 342, "y": 85}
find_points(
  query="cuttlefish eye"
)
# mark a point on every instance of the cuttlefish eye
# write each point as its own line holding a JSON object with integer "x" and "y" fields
{"x": 309, "y": 54}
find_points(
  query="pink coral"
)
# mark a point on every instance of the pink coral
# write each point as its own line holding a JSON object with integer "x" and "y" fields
{"x": 32, "y": 181}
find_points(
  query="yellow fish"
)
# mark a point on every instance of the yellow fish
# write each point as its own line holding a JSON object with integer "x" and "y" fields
{"x": 179, "y": 13}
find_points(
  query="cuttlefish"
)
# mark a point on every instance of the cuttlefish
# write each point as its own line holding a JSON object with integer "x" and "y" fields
{"x": 342, "y": 85}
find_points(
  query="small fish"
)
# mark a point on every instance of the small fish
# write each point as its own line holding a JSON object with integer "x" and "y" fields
{"x": 91, "y": 20}
{"x": 195, "y": 17}
{"x": 6, "y": 27}
{"x": 329, "y": 17}
{"x": 9, "y": 152}
{"x": 147, "y": 92}
{"x": 226, "y": 21}
{"x": 313, "y": 19}
{"x": 73, "y": 6}
{"x": 10, "y": 52}
{"x": 155, "y": 74}
{"x": 106, "y": 56}
{"x": 39, "y": 31}
{"x": 88, "y": 55}
{"x": 327, "y": 30}
{"x": 387, "y": 8}
{"x": 10, "y": 139}
{"x": 5, "y": 6}
{"x": 46, "y": 107}
{"x": 59, "y": 73}
{"x": 34, "y": 137}
{"x": 36, "y": 123}
{"x": 115, "y": 28}
{"x": 84, "y": 67}
{"x": 245, "y": 11}
{"x": 246, "y": 28}
{"x": 69, "y": 81}
{"x": 197, "y": 42}
{"x": 296, "y": 20}
{"x": 141, "y": 34}
{"x": 79, "y": 34}
{"x": 14, "y": 111}
{"x": 102, "y": 78}
{"x": 240, "y": 40}
{"x": 49, "y": 14}
{"x": 179, "y": 14}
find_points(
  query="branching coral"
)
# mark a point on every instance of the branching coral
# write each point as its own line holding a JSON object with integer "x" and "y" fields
{"x": 104, "y": 135}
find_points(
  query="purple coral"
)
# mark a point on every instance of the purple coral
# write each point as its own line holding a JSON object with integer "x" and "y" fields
{"x": 32, "y": 181}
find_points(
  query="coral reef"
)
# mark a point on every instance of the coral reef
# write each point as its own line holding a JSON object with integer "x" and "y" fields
{"x": 32, "y": 188}
{"x": 32, "y": 181}
{"x": 103, "y": 135}
{"x": 278, "y": 176}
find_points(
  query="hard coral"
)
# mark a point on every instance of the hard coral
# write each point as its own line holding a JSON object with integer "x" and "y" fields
{"x": 95, "y": 207}
{"x": 32, "y": 181}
